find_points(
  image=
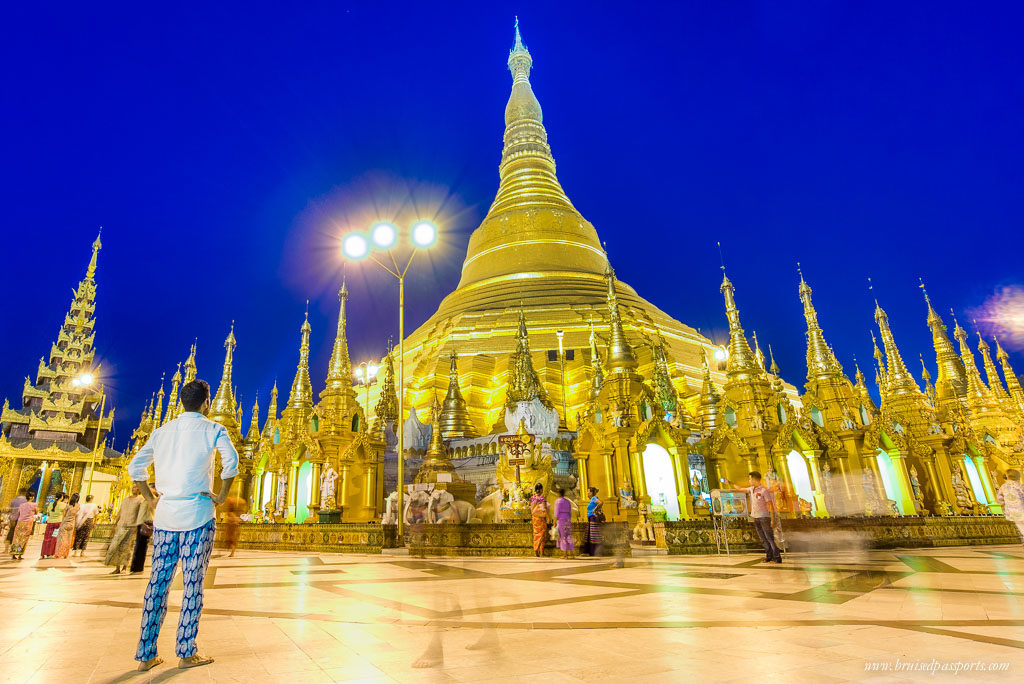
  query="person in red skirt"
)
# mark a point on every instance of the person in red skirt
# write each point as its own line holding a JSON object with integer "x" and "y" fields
{"x": 54, "y": 517}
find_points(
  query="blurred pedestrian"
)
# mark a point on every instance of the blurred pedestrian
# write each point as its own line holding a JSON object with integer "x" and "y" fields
{"x": 26, "y": 521}
{"x": 1011, "y": 498}
{"x": 143, "y": 533}
{"x": 231, "y": 516}
{"x": 84, "y": 522}
{"x": 540, "y": 515}
{"x": 12, "y": 517}
{"x": 66, "y": 533}
{"x": 595, "y": 521}
{"x": 122, "y": 544}
{"x": 55, "y": 515}
{"x": 563, "y": 519}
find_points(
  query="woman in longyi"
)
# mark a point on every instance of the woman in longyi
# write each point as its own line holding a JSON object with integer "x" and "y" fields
{"x": 540, "y": 513}
{"x": 122, "y": 544}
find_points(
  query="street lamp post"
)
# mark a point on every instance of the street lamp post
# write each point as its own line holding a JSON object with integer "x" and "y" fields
{"x": 86, "y": 381}
{"x": 561, "y": 359}
{"x": 356, "y": 246}
{"x": 367, "y": 375}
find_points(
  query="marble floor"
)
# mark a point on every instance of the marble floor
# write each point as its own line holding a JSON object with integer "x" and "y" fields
{"x": 292, "y": 617}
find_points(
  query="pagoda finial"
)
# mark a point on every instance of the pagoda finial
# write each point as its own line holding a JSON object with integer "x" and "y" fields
{"x": 172, "y": 400}
{"x": 387, "y": 404}
{"x": 96, "y": 245}
{"x": 977, "y": 393}
{"x": 951, "y": 379}
{"x": 994, "y": 383}
{"x": 454, "y": 419}
{"x": 523, "y": 383}
{"x": 272, "y": 408}
{"x": 190, "y": 364}
{"x": 597, "y": 377}
{"x": 339, "y": 369}
{"x": 898, "y": 379}
{"x": 709, "y": 398}
{"x": 664, "y": 390}
{"x": 222, "y": 408}
{"x": 742, "y": 364}
{"x": 301, "y": 396}
{"x": 1012, "y": 382}
{"x": 821, "y": 361}
{"x": 253, "y": 435}
{"x": 159, "y": 408}
{"x": 620, "y": 354}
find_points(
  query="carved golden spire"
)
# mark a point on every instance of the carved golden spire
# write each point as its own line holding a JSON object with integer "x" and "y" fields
{"x": 664, "y": 390}
{"x": 90, "y": 272}
{"x": 301, "y": 396}
{"x": 929, "y": 389}
{"x": 822, "y": 363}
{"x": 531, "y": 227}
{"x": 709, "y": 398}
{"x": 437, "y": 459}
{"x": 339, "y": 370}
{"x": 620, "y": 354}
{"x": 387, "y": 405}
{"x": 523, "y": 383}
{"x": 994, "y": 383}
{"x": 978, "y": 396}
{"x": 159, "y": 408}
{"x": 172, "y": 400}
{"x": 253, "y": 435}
{"x": 742, "y": 364}
{"x": 454, "y": 419}
{"x": 597, "y": 377}
{"x": 758, "y": 354}
{"x": 951, "y": 380}
{"x": 272, "y": 409}
{"x": 777, "y": 383}
{"x": 861, "y": 388}
{"x": 898, "y": 379}
{"x": 222, "y": 408}
{"x": 190, "y": 365}
{"x": 1012, "y": 383}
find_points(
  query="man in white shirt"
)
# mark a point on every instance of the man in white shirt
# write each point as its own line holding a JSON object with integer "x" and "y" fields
{"x": 182, "y": 455}
{"x": 85, "y": 521}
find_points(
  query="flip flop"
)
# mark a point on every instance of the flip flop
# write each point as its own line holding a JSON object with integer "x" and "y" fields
{"x": 147, "y": 665}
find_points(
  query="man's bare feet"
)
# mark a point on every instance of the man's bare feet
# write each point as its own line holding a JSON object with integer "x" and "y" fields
{"x": 194, "y": 661}
{"x": 147, "y": 665}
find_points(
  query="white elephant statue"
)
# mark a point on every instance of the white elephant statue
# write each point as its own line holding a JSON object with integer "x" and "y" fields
{"x": 489, "y": 510}
{"x": 444, "y": 508}
{"x": 416, "y": 507}
{"x": 390, "y": 516}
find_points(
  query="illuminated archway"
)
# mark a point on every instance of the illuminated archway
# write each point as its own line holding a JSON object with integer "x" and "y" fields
{"x": 974, "y": 477}
{"x": 661, "y": 481}
{"x": 801, "y": 477}
{"x": 302, "y": 491}
{"x": 266, "y": 489}
{"x": 889, "y": 481}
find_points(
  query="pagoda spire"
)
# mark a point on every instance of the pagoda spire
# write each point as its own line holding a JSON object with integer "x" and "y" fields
{"x": 272, "y": 409}
{"x": 1012, "y": 383}
{"x": 862, "y": 391}
{"x": 301, "y": 396}
{"x": 758, "y": 354}
{"x": 597, "y": 377}
{"x": 777, "y": 384}
{"x": 994, "y": 383}
{"x": 253, "y": 435}
{"x": 339, "y": 370}
{"x": 898, "y": 379}
{"x": 822, "y": 363}
{"x": 978, "y": 395}
{"x": 929, "y": 389}
{"x": 742, "y": 363}
{"x": 222, "y": 408}
{"x": 190, "y": 364}
{"x": 437, "y": 459}
{"x": 159, "y": 408}
{"x": 664, "y": 390}
{"x": 90, "y": 271}
{"x": 527, "y": 168}
{"x": 523, "y": 383}
{"x": 951, "y": 380}
{"x": 454, "y": 418}
{"x": 709, "y": 397}
{"x": 620, "y": 354}
{"x": 172, "y": 400}
{"x": 387, "y": 405}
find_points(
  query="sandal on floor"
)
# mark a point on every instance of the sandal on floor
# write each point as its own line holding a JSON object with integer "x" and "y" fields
{"x": 193, "y": 661}
{"x": 147, "y": 665}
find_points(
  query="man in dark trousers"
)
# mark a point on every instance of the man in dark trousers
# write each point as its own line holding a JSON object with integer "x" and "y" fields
{"x": 764, "y": 515}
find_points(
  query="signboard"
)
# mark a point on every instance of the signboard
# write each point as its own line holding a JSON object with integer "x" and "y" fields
{"x": 729, "y": 503}
{"x": 517, "y": 445}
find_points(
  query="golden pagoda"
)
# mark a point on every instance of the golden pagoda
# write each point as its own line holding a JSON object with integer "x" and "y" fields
{"x": 534, "y": 262}
{"x": 49, "y": 445}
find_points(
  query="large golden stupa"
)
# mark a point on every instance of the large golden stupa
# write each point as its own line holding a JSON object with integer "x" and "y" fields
{"x": 535, "y": 251}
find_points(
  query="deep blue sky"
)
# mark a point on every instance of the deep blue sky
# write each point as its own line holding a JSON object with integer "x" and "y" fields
{"x": 222, "y": 147}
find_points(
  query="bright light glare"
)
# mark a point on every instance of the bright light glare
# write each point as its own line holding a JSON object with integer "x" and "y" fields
{"x": 84, "y": 380}
{"x": 359, "y": 375}
{"x": 721, "y": 355}
{"x": 424, "y": 234}
{"x": 372, "y": 370}
{"x": 355, "y": 246}
{"x": 384, "y": 235}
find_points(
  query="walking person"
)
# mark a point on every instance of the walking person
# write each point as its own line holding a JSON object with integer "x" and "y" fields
{"x": 595, "y": 520}
{"x": 764, "y": 514}
{"x": 540, "y": 514}
{"x": 182, "y": 455}
{"x": 563, "y": 518}
{"x": 55, "y": 515}
{"x": 84, "y": 522}
{"x": 66, "y": 533}
{"x": 122, "y": 544}
{"x": 233, "y": 509}
{"x": 143, "y": 533}
{"x": 23, "y": 531}
{"x": 12, "y": 517}
{"x": 1011, "y": 497}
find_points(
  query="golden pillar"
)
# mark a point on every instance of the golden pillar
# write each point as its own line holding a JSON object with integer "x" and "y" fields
{"x": 314, "y": 484}
{"x": 939, "y": 490}
{"x": 787, "y": 479}
{"x": 639, "y": 479}
{"x": 292, "y": 490}
{"x": 820, "y": 510}
{"x": 986, "y": 484}
{"x": 681, "y": 471}
{"x": 906, "y": 492}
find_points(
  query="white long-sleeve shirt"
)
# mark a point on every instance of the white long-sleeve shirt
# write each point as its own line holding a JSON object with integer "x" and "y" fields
{"x": 181, "y": 452}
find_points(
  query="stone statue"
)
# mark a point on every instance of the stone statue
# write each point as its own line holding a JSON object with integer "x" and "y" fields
{"x": 390, "y": 516}
{"x": 416, "y": 504}
{"x": 282, "y": 490}
{"x": 626, "y": 499}
{"x": 445, "y": 508}
{"x": 327, "y": 488}
{"x": 644, "y": 530}
{"x": 539, "y": 419}
{"x": 961, "y": 492}
{"x": 696, "y": 492}
{"x": 489, "y": 509}
{"x": 847, "y": 422}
